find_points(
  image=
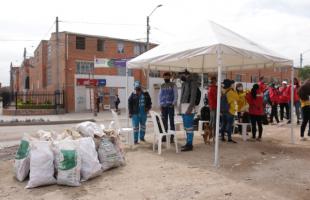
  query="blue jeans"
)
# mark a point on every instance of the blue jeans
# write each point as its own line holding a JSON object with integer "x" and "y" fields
{"x": 138, "y": 124}
{"x": 227, "y": 125}
{"x": 168, "y": 113}
{"x": 297, "y": 109}
{"x": 188, "y": 121}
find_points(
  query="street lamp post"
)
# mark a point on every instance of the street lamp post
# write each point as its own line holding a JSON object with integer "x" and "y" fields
{"x": 301, "y": 57}
{"x": 148, "y": 40}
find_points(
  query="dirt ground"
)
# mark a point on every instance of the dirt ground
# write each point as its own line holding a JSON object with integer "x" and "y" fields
{"x": 271, "y": 169}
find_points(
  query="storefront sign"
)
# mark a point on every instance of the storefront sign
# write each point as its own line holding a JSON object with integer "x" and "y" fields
{"x": 105, "y": 62}
{"x": 90, "y": 82}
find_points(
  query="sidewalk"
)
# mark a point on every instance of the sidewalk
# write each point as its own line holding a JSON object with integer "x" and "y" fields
{"x": 63, "y": 118}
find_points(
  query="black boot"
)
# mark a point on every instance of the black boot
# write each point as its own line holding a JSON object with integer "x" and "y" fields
{"x": 187, "y": 148}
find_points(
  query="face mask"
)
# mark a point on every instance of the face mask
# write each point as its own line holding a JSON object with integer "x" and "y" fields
{"x": 138, "y": 90}
{"x": 239, "y": 88}
{"x": 183, "y": 78}
{"x": 167, "y": 80}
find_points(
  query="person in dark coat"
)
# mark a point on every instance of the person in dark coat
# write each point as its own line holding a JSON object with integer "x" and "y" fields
{"x": 139, "y": 104}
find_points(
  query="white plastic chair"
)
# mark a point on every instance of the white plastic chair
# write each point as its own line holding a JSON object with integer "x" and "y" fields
{"x": 200, "y": 126}
{"x": 126, "y": 132}
{"x": 158, "y": 135}
{"x": 244, "y": 127}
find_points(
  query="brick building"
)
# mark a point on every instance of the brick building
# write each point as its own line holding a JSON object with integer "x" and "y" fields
{"x": 76, "y": 67}
{"x": 77, "y": 74}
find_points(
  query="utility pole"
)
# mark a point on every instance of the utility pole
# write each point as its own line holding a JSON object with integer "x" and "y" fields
{"x": 148, "y": 41}
{"x": 57, "y": 67}
{"x": 147, "y": 33}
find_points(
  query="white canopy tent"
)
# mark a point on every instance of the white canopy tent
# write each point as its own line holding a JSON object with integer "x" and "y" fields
{"x": 211, "y": 48}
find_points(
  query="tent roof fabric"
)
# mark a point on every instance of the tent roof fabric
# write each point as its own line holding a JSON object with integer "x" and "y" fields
{"x": 198, "y": 52}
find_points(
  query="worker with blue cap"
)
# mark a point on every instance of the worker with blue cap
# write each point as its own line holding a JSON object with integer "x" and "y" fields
{"x": 139, "y": 104}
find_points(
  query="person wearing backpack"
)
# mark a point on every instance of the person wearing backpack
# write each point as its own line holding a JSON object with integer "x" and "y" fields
{"x": 189, "y": 99}
{"x": 139, "y": 104}
{"x": 228, "y": 108}
{"x": 168, "y": 98}
{"x": 256, "y": 110}
{"x": 274, "y": 99}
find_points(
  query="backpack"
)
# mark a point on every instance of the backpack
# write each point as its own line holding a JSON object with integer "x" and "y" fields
{"x": 205, "y": 113}
{"x": 224, "y": 103}
{"x": 198, "y": 97}
{"x": 266, "y": 98}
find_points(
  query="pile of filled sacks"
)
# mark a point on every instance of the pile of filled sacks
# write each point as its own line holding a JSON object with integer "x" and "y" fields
{"x": 69, "y": 158}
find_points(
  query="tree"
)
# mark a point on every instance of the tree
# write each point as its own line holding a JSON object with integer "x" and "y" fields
{"x": 304, "y": 73}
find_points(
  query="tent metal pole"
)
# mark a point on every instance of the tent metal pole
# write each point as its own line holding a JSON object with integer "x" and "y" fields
{"x": 202, "y": 81}
{"x": 292, "y": 105}
{"x": 127, "y": 114}
{"x": 217, "y": 127}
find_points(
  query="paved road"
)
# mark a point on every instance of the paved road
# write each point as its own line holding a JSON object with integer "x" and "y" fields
{"x": 10, "y": 136}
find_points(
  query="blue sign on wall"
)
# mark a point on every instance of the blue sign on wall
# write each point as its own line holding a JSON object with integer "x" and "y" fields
{"x": 102, "y": 82}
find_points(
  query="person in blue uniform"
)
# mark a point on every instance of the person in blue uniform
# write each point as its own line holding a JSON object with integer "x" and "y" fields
{"x": 139, "y": 104}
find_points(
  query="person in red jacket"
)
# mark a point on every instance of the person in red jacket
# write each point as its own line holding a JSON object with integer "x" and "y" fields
{"x": 284, "y": 100}
{"x": 212, "y": 97}
{"x": 256, "y": 110}
{"x": 274, "y": 99}
{"x": 262, "y": 85}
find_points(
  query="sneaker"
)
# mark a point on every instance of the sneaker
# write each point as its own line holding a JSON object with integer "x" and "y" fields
{"x": 142, "y": 139}
{"x": 303, "y": 139}
{"x": 223, "y": 139}
{"x": 232, "y": 141}
{"x": 136, "y": 142}
{"x": 187, "y": 148}
{"x": 289, "y": 121}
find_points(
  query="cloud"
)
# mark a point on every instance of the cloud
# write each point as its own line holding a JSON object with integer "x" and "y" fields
{"x": 296, "y": 7}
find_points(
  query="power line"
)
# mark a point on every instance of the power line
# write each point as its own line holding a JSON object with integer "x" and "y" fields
{"x": 48, "y": 30}
{"x": 102, "y": 23}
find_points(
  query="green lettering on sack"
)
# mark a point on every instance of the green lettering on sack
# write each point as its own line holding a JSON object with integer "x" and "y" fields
{"x": 23, "y": 150}
{"x": 69, "y": 159}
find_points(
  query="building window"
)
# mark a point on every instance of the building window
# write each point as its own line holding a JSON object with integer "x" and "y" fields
{"x": 138, "y": 49}
{"x": 238, "y": 78}
{"x": 80, "y": 42}
{"x": 254, "y": 79}
{"x": 100, "y": 45}
{"x": 84, "y": 67}
{"x": 121, "y": 71}
{"x": 120, "y": 47}
{"x": 154, "y": 73}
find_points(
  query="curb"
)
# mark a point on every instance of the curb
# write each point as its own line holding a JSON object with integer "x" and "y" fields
{"x": 45, "y": 122}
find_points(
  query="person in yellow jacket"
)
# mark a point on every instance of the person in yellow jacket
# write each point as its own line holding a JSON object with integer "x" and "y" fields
{"x": 229, "y": 108}
{"x": 304, "y": 95}
{"x": 243, "y": 106}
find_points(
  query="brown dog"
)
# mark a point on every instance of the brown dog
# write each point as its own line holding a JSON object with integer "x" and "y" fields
{"x": 208, "y": 133}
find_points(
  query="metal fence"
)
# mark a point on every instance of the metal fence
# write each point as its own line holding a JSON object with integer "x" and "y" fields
{"x": 36, "y": 100}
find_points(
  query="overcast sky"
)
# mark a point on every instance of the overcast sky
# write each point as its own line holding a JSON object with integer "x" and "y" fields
{"x": 280, "y": 25}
